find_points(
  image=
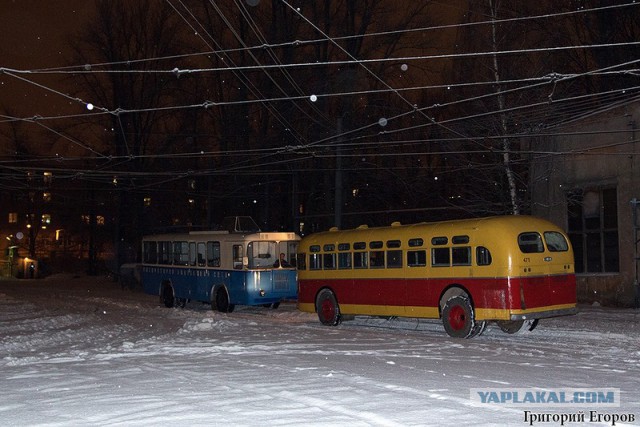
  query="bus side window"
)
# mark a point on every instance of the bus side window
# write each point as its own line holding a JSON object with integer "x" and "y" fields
{"x": 483, "y": 256}
{"x": 416, "y": 242}
{"x": 180, "y": 253}
{"x": 202, "y": 254}
{"x": 417, "y": 258}
{"x": 438, "y": 241}
{"x": 360, "y": 260}
{"x": 344, "y": 260}
{"x": 238, "y": 254}
{"x": 376, "y": 259}
{"x": 394, "y": 259}
{"x": 192, "y": 253}
{"x": 440, "y": 257}
{"x": 329, "y": 261}
{"x": 461, "y": 255}
{"x": 302, "y": 261}
{"x": 213, "y": 254}
{"x": 150, "y": 253}
{"x": 292, "y": 248}
{"x": 176, "y": 253}
{"x": 166, "y": 252}
{"x": 314, "y": 262}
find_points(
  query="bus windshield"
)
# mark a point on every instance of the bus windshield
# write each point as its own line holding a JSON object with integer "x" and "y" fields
{"x": 266, "y": 254}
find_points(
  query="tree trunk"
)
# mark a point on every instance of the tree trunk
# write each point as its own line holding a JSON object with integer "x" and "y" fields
{"x": 506, "y": 144}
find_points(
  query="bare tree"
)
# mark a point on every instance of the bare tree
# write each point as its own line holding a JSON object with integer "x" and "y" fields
{"x": 119, "y": 46}
{"x": 496, "y": 180}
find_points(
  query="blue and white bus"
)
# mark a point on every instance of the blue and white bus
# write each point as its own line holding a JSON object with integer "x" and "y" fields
{"x": 238, "y": 266}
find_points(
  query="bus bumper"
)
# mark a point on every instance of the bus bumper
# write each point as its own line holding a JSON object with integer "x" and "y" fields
{"x": 566, "y": 311}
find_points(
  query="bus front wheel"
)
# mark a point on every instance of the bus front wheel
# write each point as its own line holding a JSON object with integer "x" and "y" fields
{"x": 221, "y": 301}
{"x": 327, "y": 308}
{"x": 458, "y": 318}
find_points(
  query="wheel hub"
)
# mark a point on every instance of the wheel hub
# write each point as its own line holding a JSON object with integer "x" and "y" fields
{"x": 457, "y": 318}
{"x": 327, "y": 310}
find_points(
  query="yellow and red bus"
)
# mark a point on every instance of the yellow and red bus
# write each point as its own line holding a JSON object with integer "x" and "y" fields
{"x": 513, "y": 270}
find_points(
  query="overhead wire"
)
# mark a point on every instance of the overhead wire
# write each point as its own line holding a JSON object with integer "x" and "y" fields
{"x": 236, "y": 70}
{"x": 192, "y": 106}
{"x": 297, "y": 42}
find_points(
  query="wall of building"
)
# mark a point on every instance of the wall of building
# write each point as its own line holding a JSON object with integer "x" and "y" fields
{"x": 600, "y": 151}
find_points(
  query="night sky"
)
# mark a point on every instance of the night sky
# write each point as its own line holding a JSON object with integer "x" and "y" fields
{"x": 34, "y": 35}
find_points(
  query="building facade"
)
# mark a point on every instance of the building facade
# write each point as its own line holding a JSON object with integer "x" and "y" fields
{"x": 585, "y": 177}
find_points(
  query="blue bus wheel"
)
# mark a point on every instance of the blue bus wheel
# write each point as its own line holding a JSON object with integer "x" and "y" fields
{"x": 221, "y": 301}
{"x": 272, "y": 305}
{"x": 327, "y": 308}
{"x": 167, "y": 297}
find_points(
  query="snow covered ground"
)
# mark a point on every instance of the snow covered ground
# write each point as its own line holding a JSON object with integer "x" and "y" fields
{"x": 82, "y": 351}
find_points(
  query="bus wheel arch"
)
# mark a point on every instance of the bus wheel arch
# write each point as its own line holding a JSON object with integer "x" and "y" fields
{"x": 167, "y": 294}
{"x": 452, "y": 291}
{"x": 327, "y": 307}
{"x": 220, "y": 300}
{"x": 517, "y": 326}
{"x": 457, "y": 311}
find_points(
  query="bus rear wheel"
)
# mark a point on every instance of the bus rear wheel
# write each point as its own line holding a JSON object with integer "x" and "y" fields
{"x": 458, "y": 318}
{"x": 221, "y": 301}
{"x": 327, "y": 308}
{"x": 517, "y": 326}
{"x": 167, "y": 297}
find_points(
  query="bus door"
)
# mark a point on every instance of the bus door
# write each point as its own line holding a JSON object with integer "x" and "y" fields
{"x": 284, "y": 275}
{"x": 387, "y": 289}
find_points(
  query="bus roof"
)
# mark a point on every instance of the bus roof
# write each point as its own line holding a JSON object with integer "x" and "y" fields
{"x": 224, "y": 235}
{"x": 507, "y": 223}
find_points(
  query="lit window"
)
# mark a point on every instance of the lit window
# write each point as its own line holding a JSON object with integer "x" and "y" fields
{"x": 13, "y": 217}
{"x": 46, "y": 219}
{"x": 48, "y": 178}
{"x": 46, "y": 197}
{"x": 147, "y": 202}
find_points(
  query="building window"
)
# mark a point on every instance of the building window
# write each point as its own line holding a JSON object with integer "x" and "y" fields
{"x": 593, "y": 230}
{"x": 13, "y": 217}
